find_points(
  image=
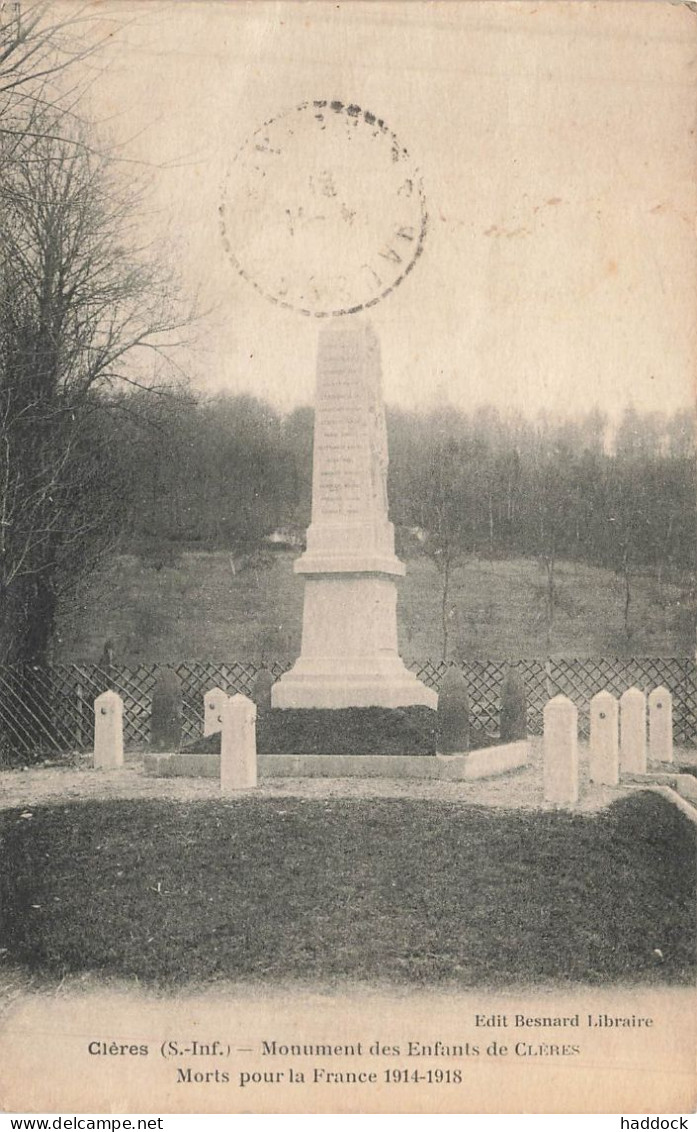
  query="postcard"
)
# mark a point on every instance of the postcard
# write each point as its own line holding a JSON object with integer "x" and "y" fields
{"x": 348, "y": 692}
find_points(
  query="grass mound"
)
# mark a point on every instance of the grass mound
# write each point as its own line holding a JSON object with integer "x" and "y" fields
{"x": 345, "y": 731}
{"x": 403, "y": 891}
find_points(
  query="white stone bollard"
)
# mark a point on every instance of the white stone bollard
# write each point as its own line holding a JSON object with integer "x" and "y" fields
{"x": 633, "y": 731}
{"x": 213, "y": 704}
{"x": 108, "y": 731}
{"x": 238, "y": 746}
{"x": 604, "y": 761}
{"x": 661, "y": 726}
{"x": 561, "y": 751}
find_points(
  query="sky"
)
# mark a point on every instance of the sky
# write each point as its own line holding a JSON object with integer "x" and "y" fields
{"x": 555, "y": 143}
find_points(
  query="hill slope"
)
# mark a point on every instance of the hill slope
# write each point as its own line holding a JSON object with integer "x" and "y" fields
{"x": 198, "y": 609}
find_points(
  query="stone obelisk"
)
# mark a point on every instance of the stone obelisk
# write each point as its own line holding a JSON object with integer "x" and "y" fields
{"x": 349, "y": 654}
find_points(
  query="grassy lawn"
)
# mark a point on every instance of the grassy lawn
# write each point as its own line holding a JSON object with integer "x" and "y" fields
{"x": 197, "y": 609}
{"x": 410, "y": 892}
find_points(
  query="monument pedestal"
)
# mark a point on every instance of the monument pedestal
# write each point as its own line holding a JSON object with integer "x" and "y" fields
{"x": 349, "y": 648}
{"x": 349, "y": 655}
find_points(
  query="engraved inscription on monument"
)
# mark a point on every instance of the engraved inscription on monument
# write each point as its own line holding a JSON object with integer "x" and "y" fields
{"x": 349, "y": 483}
{"x": 342, "y": 474}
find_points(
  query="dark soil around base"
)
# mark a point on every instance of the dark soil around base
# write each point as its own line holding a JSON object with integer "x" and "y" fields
{"x": 345, "y": 731}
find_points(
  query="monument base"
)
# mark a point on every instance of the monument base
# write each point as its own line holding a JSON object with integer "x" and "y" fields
{"x": 315, "y": 683}
{"x": 486, "y": 763}
{"x": 349, "y": 655}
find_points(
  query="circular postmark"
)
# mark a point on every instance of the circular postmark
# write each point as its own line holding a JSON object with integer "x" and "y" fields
{"x": 323, "y": 210}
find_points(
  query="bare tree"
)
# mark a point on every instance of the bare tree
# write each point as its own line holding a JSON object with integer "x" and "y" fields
{"x": 79, "y": 301}
{"x": 445, "y": 512}
{"x": 40, "y": 42}
{"x": 550, "y": 496}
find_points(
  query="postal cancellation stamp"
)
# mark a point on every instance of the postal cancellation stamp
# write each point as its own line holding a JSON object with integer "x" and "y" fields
{"x": 323, "y": 210}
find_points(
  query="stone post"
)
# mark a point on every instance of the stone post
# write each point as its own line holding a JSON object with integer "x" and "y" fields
{"x": 604, "y": 740}
{"x": 661, "y": 726}
{"x": 633, "y": 731}
{"x": 561, "y": 751}
{"x": 108, "y": 731}
{"x": 213, "y": 705}
{"x": 166, "y": 717}
{"x": 238, "y": 747}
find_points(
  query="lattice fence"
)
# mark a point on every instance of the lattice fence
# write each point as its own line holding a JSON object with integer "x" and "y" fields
{"x": 579, "y": 679}
{"x": 50, "y": 710}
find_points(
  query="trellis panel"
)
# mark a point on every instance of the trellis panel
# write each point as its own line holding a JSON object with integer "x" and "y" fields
{"x": 50, "y": 710}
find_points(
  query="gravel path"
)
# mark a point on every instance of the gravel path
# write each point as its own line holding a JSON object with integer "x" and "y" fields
{"x": 522, "y": 789}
